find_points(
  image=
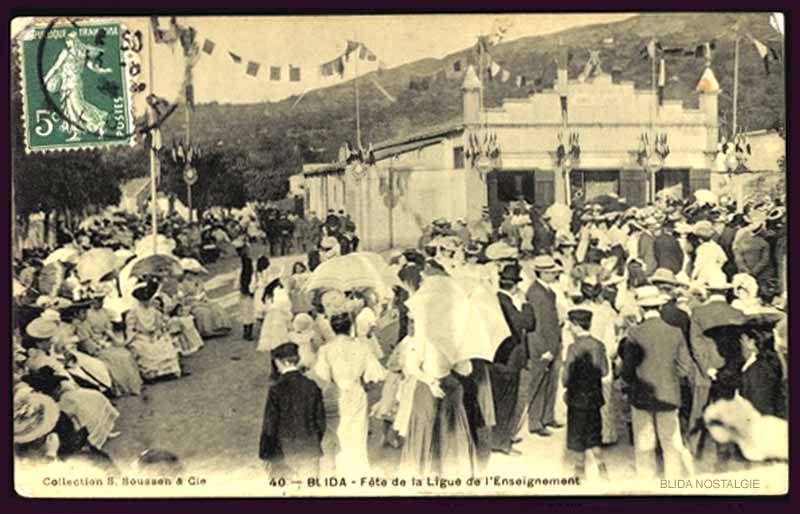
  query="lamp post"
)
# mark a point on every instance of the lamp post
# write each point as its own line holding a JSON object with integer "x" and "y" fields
{"x": 651, "y": 157}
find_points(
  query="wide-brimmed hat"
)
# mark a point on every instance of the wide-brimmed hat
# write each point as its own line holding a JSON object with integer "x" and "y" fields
{"x": 704, "y": 228}
{"x": 501, "y": 250}
{"x": 717, "y": 282}
{"x": 681, "y": 227}
{"x": 472, "y": 248}
{"x": 545, "y": 263}
{"x": 650, "y": 296}
{"x": 334, "y": 302}
{"x": 35, "y": 416}
{"x": 511, "y": 273}
{"x": 146, "y": 290}
{"x": 190, "y": 265}
{"x": 664, "y": 276}
{"x": 41, "y": 328}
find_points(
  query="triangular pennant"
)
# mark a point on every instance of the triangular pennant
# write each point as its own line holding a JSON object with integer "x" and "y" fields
{"x": 208, "y": 46}
{"x": 235, "y": 57}
{"x": 252, "y": 68}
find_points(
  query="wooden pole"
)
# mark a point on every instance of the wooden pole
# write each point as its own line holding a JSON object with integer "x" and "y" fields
{"x": 654, "y": 110}
{"x": 734, "y": 126}
{"x": 151, "y": 116}
{"x": 358, "y": 110}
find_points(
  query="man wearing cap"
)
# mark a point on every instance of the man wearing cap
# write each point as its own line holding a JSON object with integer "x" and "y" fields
{"x": 544, "y": 345}
{"x": 511, "y": 384}
{"x": 714, "y": 312}
{"x": 294, "y": 420}
{"x": 655, "y": 388}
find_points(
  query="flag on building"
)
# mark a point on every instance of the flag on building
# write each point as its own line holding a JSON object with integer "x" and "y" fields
{"x": 521, "y": 80}
{"x": 662, "y": 81}
{"x": 339, "y": 66}
{"x": 352, "y": 46}
{"x": 494, "y": 69}
{"x": 499, "y": 29}
{"x": 208, "y": 46}
{"x": 252, "y": 68}
{"x": 776, "y": 21}
{"x": 505, "y": 76}
{"x": 651, "y": 50}
{"x": 767, "y": 54}
{"x": 235, "y": 57}
{"x": 326, "y": 70}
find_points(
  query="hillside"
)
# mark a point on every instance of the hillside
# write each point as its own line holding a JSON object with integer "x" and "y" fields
{"x": 325, "y": 118}
{"x": 258, "y": 146}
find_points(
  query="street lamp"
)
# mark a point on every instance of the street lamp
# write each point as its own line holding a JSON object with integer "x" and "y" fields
{"x": 736, "y": 157}
{"x": 651, "y": 157}
{"x": 568, "y": 159}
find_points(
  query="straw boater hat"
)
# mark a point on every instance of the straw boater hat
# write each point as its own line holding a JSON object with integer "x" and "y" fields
{"x": 681, "y": 227}
{"x": 704, "y": 228}
{"x": 190, "y": 265}
{"x": 501, "y": 250}
{"x": 650, "y": 296}
{"x": 565, "y": 239}
{"x": 664, "y": 276}
{"x": 473, "y": 248}
{"x": 545, "y": 263}
{"x": 302, "y": 322}
{"x": 35, "y": 416}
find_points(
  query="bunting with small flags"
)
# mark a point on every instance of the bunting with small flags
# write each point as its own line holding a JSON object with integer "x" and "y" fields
{"x": 766, "y": 53}
{"x": 662, "y": 80}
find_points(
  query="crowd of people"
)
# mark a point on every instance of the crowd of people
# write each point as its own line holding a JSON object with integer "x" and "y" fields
{"x": 97, "y": 319}
{"x": 623, "y": 326}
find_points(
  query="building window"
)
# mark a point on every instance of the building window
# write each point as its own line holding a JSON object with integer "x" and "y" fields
{"x": 458, "y": 157}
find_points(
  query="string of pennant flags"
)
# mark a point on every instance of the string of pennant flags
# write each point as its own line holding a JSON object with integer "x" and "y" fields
{"x": 187, "y": 36}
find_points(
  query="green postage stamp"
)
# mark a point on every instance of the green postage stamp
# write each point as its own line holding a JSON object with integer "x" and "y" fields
{"x": 74, "y": 86}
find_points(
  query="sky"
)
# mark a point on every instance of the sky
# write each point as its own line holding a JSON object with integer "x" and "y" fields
{"x": 308, "y": 41}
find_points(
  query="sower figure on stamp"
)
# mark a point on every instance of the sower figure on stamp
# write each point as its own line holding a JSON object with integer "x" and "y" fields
{"x": 545, "y": 347}
{"x": 294, "y": 420}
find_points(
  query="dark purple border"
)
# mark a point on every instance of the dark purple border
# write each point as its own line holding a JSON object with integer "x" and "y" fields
{"x": 650, "y": 505}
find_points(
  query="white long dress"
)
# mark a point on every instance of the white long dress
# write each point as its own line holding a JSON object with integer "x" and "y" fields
{"x": 277, "y": 320}
{"x": 342, "y": 366}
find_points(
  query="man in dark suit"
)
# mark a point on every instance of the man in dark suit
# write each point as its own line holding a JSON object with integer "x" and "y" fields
{"x": 646, "y": 247}
{"x": 509, "y": 376}
{"x": 668, "y": 251}
{"x": 714, "y": 312}
{"x": 544, "y": 346}
{"x": 294, "y": 420}
{"x": 656, "y": 394}
{"x": 674, "y": 316}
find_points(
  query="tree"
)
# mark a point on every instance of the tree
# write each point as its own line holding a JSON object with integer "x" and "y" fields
{"x": 220, "y": 179}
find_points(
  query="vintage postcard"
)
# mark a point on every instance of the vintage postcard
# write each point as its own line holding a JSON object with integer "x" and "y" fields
{"x": 505, "y": 254}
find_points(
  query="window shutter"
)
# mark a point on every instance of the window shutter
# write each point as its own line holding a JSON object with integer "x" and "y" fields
{"x": 544, "y": 189}
{"x": 633, "y": 186}
{"x": 699, "y": 179}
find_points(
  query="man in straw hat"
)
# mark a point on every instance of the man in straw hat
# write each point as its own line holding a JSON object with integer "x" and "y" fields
{"x": 294, "y": 419}
{"x": 715, "y": 311}
{"x": 663, "y": 358}
{"x": 751, "y": 251}
{"x": 544, "y": 345}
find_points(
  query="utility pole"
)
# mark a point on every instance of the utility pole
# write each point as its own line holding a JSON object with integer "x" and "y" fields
{"x": 151, "y": 117}
{"x": 355, "y": 85}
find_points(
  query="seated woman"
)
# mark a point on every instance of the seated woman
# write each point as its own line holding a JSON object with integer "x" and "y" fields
{"x": 155, "y": 351}
{"x": 87, "y": 408}
{"x": 43, "y": 433}
{"x": 98, "y": 338}
{"x": 210, "y": 318}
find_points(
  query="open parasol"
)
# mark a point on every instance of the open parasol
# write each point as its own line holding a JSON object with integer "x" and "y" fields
{"x": 144, "y": 246}
{"x": 560, "y": 217}
{"x": 359, "y": 270}
{"x": 460, "y": 317}
{"x": 63, "y": 254}
{"x": 96, "y": 263}
{"x": 160, "y": 265}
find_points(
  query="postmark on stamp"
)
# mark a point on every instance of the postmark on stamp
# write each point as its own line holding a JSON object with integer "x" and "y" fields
{"x": 75, "y": 92}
